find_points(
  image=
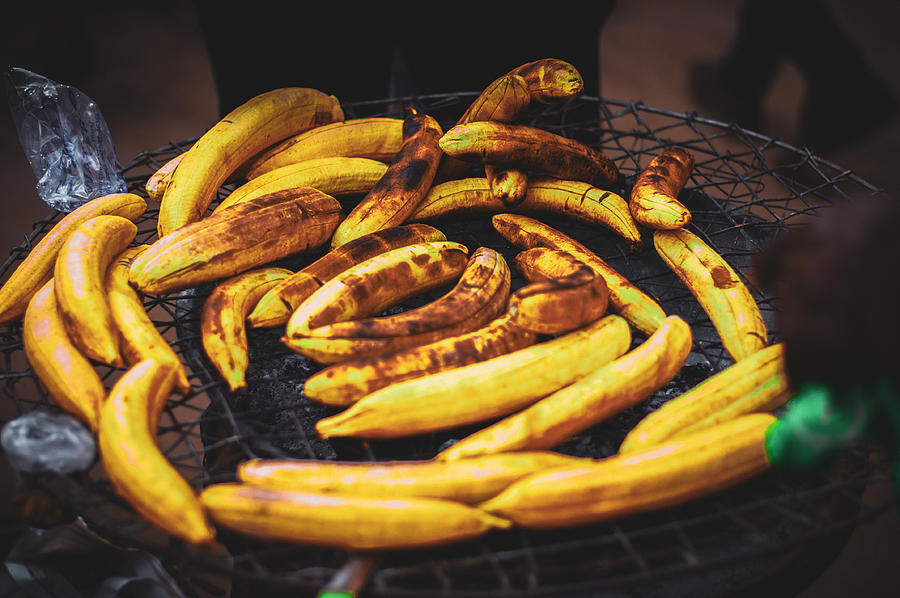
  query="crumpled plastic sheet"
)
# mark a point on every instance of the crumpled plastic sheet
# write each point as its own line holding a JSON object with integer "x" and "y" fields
{"x": 65, "y": 139}
{"x": 44, "y": 441}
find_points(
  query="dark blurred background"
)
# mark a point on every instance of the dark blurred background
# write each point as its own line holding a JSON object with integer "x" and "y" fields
{"x": 148, "y": 69}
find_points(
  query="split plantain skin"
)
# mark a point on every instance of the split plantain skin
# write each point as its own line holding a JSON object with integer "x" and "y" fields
{"x": 598, "y": 395}
{"x": 653, "y": 199}
{"x": 37, "y": 267}
{"x": 237, "y": 239}
{"x": 755, "y": 384}
{"x": 467, "y": 481}
{"x": 400, "y": 191}
{"x": 574, "y": 199}
{"x": 483, "y": 390}
{"x": 333, "y": 176}
{"x": 657, "y": 477}
{"x": 244, "y": 132}
{"x": 349, "y": 522}
{"x": 718, "y": 288}
{"x": 529, "y": 148}
{"x": 343, "y": 384}
{"x": 140, "y": 339}
{"x": 377, "y": 138}
{"x": 564, "y": 294}
{"x": 133, "y": 462}
{"x": 80, "y": 275}
{"x": 277, "y": 305}
{"x": 380, "y": 282}
{"x": 67, "y": 374}
{"x": 222, "y": 329}
{"x": 479, "y": 296}
{"x": 625, "y": 299}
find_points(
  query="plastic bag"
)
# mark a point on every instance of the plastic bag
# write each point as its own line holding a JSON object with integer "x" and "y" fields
{"x": 65, "y": 139}
{"x": 43, "y": 441}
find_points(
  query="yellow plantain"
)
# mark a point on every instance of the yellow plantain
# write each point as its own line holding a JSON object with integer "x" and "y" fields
{"x": 222, "y": 330}
{"x": 349, "y": 522}
{"x": 653, "y": 478}
{"x": 239, "y": 238}
{"x": 479, "y": 296}
{"x": 345, "y": 383}
{"x": 80, "y": 275}
{"x": 467, "y": 481}
{"x": 573, "y": 199}
{"x": 483, "y": 390}
{"x": 37, "y": 267}
{"x": 625, "y": 299}
{"x": 159, "y": 181}
{"x": 529, "y": 148}
{"x": 504, "y": 100}
{"x": 590, "y": 399}
{"x": 718, "y": 289}
{"x": 564, "y": 293}
{"x": 244, "y": 132}
{"x": 67, "y": 374}
{"x": 755, "y": 384}
{"x": 336, "y": 176}
{"x": 377, "y": 138}
{"x": 400, "y": 191}
{"x": 653, "y": 200}
{"x": 133, "y": 462}
{"x": 139, "y": 337}
{"x": 379, "y": 282}
{"x": 278, "y": 303}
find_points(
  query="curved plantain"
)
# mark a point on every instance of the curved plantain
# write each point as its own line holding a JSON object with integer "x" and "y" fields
{"x": 506, "y": 185}
{"x": 479, "y": 296}
{"x": 244, "y": 236}
{"x": 222, "y": 330}
{"x": 372, "y": 286}
{"x": 140, "y": 339}
{"x": 625, "y": 298}
{"x": 349, "y": 522}
{"x": 336, "y": 176}
{"x": 573, "y": 199}
{"x": 376, "y": 138}
{"x": 718, "y": 289}
{"x": 400, "y": 191}
{"x": 483, "y": 390}
{"x": 467, "y": 481}
{"x": 550, "y": 80}
{"x": 80, "y": 275}
{"x": 653, "y": 200}
{"x": 244, "y": 132}
{"x": 277, "y": 305}
{"x": 564, "y": 294}
{"x": 69, "y": 377}
{"x": 606, "y": 391}
{"x": 754, "y": 384}
{"x": 343, "y": 384}
{"x": 37, "y": 267}
{"x": 159, "y": 181}
{"x": 529, "y": 148}
{"x": 654, "y": 478}
{"x": 136, "y": 467}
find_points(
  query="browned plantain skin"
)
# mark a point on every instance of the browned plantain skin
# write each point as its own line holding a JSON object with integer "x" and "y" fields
{"x": 237, "y": 239}
{"x": 400, "y": 191}
{"x": 564, "y": 293}
{"x": 529, "y": 148}
{"x": 550, "y": 80}
{"x": 653, "y": 197}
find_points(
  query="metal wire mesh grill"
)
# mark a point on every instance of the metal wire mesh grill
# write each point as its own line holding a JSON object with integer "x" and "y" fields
{"x": 745, "y": 189}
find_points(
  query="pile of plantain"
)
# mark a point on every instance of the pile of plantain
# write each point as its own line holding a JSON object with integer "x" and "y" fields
{"x": 543, "y": 363}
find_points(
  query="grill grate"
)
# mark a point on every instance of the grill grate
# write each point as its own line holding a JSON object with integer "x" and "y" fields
{"x": 745, "y": 190}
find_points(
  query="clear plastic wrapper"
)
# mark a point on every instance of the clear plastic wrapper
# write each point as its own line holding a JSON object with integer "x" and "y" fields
{"x": 42, "y": 441}
{"x": 65, "y": 139}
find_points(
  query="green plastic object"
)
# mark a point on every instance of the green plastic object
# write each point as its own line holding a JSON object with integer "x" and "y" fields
{"x": 816, "y": 426}
{"x": 336, "y": 594}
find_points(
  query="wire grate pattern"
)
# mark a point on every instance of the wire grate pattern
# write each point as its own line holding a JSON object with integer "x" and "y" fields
{"x": 745, "y": 189}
